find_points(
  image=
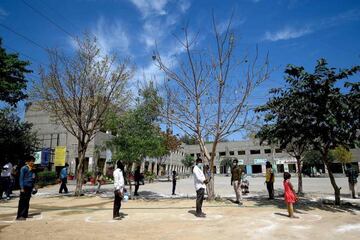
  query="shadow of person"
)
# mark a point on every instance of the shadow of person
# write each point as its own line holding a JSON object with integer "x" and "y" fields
{"x": 122, "y": 215}
{"x": 193, "y": 212}
{"x": 282, "y": 214}
{"x": 31, "y": 215}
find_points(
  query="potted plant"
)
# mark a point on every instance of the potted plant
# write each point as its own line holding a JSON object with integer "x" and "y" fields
{"x": 71, "y": 176}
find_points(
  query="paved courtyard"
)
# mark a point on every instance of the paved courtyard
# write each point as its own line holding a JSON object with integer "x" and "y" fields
{"x": 158, "y": 215}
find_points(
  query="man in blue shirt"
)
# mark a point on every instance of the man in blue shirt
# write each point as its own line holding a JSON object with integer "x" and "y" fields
{"x": 63, "y": 178}
{"x": 26, "y": 181}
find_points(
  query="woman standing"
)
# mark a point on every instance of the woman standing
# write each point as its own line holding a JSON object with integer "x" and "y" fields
{"x": 119, "y": 188}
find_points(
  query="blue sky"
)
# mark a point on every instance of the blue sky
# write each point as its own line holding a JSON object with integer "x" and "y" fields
{"x": 292, "y": 31}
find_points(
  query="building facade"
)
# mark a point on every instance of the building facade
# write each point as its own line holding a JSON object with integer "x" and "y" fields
{"x": 253, "y": 156}
{"x": 52, "y": 135}
{"x": 250, "y": 154}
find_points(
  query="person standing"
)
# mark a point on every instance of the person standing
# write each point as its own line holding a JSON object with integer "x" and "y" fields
{"x": 6, "y": 180}
{"x": 99, "y": 180}
{"x": 174, "y": 176}
{"x": 137, "y": 178}
{"x": 352, "y": 175}
{"x": 236, "y": 173}
{"x": 26, "y": 181}
{"x": 289, "y": 195}
{"x": 63, "y": 178}
{"x": 119, "y": 186}
{"x": 199, "y": 182}
{"x": 269, "y": 180}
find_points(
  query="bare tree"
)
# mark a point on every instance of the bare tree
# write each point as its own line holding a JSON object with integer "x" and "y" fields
{"x": 209, "y": 88}
{"x": 78, "y": 91}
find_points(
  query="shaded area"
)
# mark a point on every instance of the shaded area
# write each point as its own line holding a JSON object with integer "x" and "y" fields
{"x": 3, "y": 226}
{"x": 305, "y": 204}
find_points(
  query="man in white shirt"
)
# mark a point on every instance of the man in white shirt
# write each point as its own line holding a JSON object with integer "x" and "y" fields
{"x": 200, "y": 186}
{"x": 119, "y": 185}
{"x": 6, "y": 180}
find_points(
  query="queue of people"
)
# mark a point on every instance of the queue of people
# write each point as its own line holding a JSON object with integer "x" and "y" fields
{"x": 201, "y": 174}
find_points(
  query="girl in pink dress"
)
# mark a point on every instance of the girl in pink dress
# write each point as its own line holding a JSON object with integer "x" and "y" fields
{"x": 289, "y": 195}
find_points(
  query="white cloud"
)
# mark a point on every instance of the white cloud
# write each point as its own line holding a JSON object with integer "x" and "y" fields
{"x": 184, "y": 5}
{"x": 151, "y": 7}
{"x": 287, "y": 33}
{"x": 325, "y": 23}
{"x": 3, "y": 13}
{"x": 111, "y": 36}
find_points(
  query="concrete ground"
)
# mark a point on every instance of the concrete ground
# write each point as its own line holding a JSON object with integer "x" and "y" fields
{"x": 158, "y": 215}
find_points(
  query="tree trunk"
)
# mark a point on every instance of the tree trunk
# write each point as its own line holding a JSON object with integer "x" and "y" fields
{"x": 332, "y": 179}
{"x": 79, "y": 170}
{"x": 299, "y": 167}
{"x": 210, "y": 188}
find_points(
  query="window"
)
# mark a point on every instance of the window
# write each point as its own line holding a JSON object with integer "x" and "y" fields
{"x": 231, "y": 153}
{"x": 198, "y": 154}
{"x": 267, "y": 150}
{"x": 222, "y": 153}
{"x": 278, "y": 150}
{"x": 242, "y": 152}
{"x": 255, "y": 151}
{"x": 192, "y": 154}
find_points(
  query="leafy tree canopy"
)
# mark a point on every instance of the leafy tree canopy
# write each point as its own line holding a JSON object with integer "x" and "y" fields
{"x": 16, "y": 138}
{"x": 12, "y": 77}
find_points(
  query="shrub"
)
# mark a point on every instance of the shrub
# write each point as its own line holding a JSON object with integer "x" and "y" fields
{"x": 46, "y": 178}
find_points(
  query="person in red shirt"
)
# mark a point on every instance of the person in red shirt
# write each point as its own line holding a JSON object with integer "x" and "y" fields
{"x": 289, "y": 195}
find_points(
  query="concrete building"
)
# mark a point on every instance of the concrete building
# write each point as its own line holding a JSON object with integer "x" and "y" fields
{"x": 253, "y": 156}
{"x": 52, "y": 134}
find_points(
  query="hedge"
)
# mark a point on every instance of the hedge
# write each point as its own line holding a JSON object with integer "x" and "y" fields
{"x": 46, "y": 178}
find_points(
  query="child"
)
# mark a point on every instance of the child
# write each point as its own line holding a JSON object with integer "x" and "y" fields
{"x": 289, "y": 195}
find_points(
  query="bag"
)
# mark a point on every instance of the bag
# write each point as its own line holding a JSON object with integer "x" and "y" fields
{"x": 120, "y": 194}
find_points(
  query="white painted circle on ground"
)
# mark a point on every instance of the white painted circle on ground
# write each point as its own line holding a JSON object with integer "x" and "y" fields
{"x": 348, "y": 228}
{"x": 91, "y": 220}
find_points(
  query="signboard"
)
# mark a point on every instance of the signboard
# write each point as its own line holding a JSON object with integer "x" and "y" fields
{"x": 260, "y": 161}
{"x": 241, "y": 161}
{"x": 38, "y": 157}
{"x": 45, "y": 156}
{"x": 60, "y": 156}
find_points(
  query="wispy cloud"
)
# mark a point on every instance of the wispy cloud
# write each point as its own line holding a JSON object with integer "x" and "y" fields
{"x": 291, "y": 32}
{"x": 184, "y": 5}
{"x": 111, "y": 36}
{"x": 3, "y": 13}
{"x": 151, "y": 7}
{"x": 286, "y": 33}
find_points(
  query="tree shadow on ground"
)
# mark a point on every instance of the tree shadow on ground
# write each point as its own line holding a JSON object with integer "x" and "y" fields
{"x": 149, "y": 195}
{"x": 305, "y": 204}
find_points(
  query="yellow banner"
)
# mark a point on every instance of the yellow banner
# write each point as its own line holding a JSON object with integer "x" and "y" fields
{"x": 60, "y": 156}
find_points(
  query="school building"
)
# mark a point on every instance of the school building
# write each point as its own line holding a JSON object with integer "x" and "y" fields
{"x": 253, "y": 156}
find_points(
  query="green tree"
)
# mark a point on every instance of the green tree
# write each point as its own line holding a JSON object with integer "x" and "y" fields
{"x": 342, "y": 155}
{"x": 12, "y": 77}
{"x": 138, "y": 133}
{"x": 16, "y": 137}
{"x": 188, "y": 161}
{"x": 281, "y": 130}
{"x": 322, "y": 114}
